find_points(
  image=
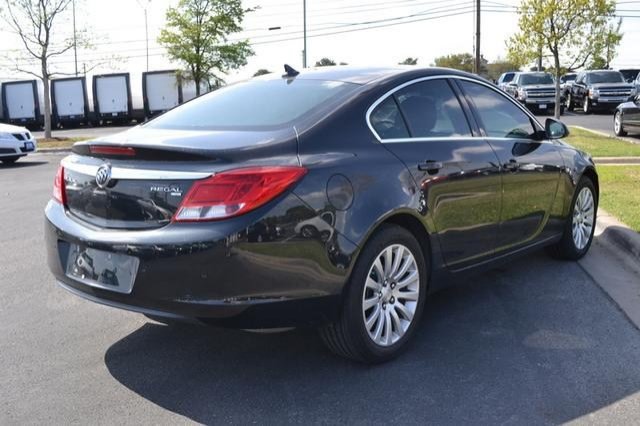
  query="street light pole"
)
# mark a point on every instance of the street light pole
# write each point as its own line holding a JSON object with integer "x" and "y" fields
{"x": 75, "y": 40}
{"x": 304, "y": 20}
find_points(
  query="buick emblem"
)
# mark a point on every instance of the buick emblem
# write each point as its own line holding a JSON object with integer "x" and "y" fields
{"x": 103, "y": 175}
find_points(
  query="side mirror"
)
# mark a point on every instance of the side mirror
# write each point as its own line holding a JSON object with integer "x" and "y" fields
{"x": 555, "y": 129}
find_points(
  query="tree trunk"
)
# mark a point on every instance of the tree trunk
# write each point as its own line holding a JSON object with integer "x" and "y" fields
{"x": 47, "y": 102}
{"x": 197, "y": 82}
{"x": 556, "y": 59}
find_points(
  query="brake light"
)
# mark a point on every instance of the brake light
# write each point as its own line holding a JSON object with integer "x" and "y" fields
{"x": 125, "y": 151}
{"x": 235, "y": 192}
{"x": 58, "y": 187}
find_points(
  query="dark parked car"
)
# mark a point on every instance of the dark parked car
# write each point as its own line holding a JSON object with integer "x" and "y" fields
{"x": 627, "y": 117}
{"x": 416, "y": 175}
{"x": 566, "y": 81}
{"x": 630, "y": 74}
{"x": 535, "y": 90}
{"x": 599, "y": 90}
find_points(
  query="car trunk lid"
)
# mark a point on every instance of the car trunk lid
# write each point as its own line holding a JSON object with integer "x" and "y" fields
{"x": 138, "y": 179}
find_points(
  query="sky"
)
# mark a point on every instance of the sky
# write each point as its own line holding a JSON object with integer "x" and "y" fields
{"x": 424, "y": 29}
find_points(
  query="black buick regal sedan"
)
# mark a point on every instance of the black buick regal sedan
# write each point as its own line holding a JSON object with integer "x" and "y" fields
{"x": 337, "y": 198}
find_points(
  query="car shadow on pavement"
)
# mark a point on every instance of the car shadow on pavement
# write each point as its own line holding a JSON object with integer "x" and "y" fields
{"x": 534, "y": 342}
{"x": 21, "y": 164}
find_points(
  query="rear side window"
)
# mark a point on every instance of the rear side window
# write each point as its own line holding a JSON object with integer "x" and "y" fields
{"x": 255, "y": 104}
{"x": 432, "y": 110}
{"x": 499, "y": 116}
{"x": 387, "y": 121}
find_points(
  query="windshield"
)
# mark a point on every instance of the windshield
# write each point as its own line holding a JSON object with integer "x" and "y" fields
{"x": 528, "y": 79}
{"x": 606, "y": 77}
{"x": 254, "y": 104}
{"x": 629, "y": 75}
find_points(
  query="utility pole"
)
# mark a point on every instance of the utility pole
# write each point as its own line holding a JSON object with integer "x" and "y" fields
{"x": 146, "y": 25}
{"x": 477, "y": 61}
{"x": 304, "y": 24}
{"x": 75, "y": 39}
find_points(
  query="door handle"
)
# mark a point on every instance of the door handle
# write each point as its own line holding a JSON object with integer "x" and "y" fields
{"x": 430, "y": 166}
{"x": 511, "y": 166}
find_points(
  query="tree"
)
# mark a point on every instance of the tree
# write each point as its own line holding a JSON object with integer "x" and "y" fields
{"x": 458, "y": 61}
{"x": 573, "y": 31}
{"x": 409, "y": 61}
{"x": 496, "y": 68}
{"x": 196, "y": 35}
{"x": 325, "y": 62}
{"x": 33, "y": 21}
{"x": 261, "y": 71}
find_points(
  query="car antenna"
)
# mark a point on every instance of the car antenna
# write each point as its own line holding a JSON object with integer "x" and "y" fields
{"x": 290, "y": 71}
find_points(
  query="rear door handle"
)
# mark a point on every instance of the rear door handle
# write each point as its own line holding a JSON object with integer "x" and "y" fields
{"x": 430, "y": 166}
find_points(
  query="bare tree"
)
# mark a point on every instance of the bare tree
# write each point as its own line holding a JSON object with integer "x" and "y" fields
{"x": 33, "y": 22}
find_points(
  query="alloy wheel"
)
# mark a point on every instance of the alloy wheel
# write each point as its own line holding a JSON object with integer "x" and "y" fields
{"x": 583, "y": 218}
{"x": 617, "y": 123}
{"x": 390, "y": 296}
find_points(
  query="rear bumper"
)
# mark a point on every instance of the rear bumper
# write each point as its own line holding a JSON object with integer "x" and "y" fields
{"x": 212, "y": 272}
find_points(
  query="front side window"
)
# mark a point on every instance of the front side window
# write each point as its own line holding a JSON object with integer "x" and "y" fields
{"x": 432, "y": 109}
{"x": 499, "y": 116}
{"x": 255, "y": 104}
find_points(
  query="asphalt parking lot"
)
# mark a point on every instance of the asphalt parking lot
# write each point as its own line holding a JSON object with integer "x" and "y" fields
{"x": 534, "y": 342}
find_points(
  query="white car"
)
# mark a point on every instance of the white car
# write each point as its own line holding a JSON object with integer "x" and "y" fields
{"x": 15, "y": 142}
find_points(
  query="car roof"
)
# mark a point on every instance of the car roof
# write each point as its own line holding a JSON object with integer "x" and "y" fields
{"x": 365, "y": 75}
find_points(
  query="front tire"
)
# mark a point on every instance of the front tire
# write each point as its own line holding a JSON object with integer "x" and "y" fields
{"x": 569, "y": 102}
{"x": 384, "y": 300}
{"x": 618, "y": 128}
{"x": 580, "y": 225}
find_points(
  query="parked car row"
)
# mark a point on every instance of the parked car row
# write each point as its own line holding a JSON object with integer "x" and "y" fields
{"x": 591, "y": 90}
{"x": 111, "y": 99}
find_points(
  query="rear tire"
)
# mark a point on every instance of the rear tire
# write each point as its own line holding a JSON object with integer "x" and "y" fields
{"x": 618, "y": 128}
{"x": 384, "y": 299}
{"x": 586, "y": 105}
{"x": 581, "y": 223}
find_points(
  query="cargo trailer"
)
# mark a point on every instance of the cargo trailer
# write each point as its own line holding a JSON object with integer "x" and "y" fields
{"x": 23, "y": 102}
{"x": 69, "y": 101}
{"x": 161, "y": 91}
{"x": 112, "y": 97}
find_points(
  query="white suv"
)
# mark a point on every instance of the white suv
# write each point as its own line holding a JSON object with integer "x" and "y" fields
{"x": 15, "y": 142}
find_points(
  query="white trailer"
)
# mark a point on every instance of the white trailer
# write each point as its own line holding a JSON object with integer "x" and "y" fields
{"x": 161, "y": 91}
{"x": 69, "y": 101}
{"x": 23, "y": 102}
{"x": 112, "y": 97}
{"x": 189, "y": 90}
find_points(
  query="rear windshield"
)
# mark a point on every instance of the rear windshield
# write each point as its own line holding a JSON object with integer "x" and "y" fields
{"x": 606, "y": 77}
{"x": 527, "y": 79}
{"x": 255, "y": 104}
{"x": 508, "y": 77}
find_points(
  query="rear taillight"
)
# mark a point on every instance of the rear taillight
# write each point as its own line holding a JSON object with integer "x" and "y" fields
{"x": 58, "y": 187}
{"x": 235, "y": 192}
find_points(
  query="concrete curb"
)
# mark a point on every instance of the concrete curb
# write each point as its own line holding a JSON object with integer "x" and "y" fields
{"x": 52, "y": 150}
{"x": 619, "y": 237}
{"x": 608, "y": 135}
{"x": 634, "y": 161}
